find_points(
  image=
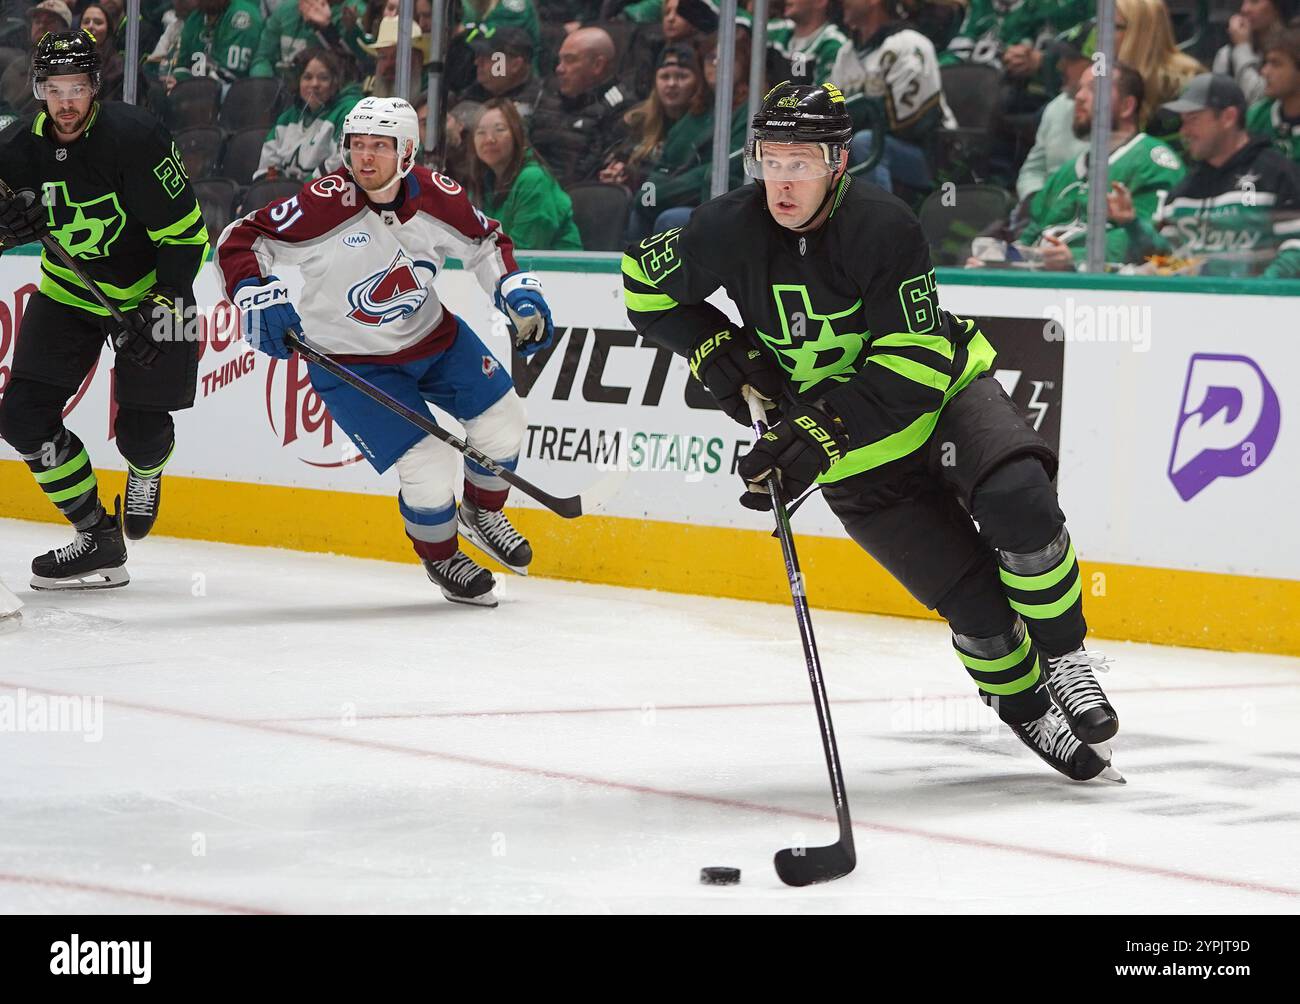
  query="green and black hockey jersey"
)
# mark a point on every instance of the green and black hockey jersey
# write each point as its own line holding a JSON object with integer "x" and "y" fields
{"x": 1240, "y": 219}
{"x": 849, "y": 313}
{"x": 118, "y": 200}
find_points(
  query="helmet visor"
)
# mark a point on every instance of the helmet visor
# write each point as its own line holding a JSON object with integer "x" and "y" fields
{"x": 62, "y": 88}
{"x": 769, "y": 161}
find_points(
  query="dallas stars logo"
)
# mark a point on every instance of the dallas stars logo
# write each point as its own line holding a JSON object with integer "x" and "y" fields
{"x": 85, "y": 229}
{"x": 811, "y": 347}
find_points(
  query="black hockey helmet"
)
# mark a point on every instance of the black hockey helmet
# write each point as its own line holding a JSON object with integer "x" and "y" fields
{"x": 61, "y": 54}
{"x": 800, "y": 113}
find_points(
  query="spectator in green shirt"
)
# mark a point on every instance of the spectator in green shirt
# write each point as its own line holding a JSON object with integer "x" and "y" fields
{"x": 667, "y": 130}
{"x": 296, "y": 25}
{"x": 218, "y": 40}
{"x": 509, "y": 184}
{"x": 1277, "y": 117}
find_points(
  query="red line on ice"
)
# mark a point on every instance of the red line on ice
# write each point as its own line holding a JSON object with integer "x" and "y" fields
{"x": 731, "y": 803}
{"x": 112, "y": 890}
{"x": 738, "y": 706}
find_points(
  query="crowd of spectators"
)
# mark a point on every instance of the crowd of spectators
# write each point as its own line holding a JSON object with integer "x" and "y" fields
{"x": 583, "y": 124}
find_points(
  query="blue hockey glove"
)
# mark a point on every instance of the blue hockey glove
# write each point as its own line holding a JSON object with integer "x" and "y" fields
{"x": 519, "y": 297}
{"x": 268, "y": 315}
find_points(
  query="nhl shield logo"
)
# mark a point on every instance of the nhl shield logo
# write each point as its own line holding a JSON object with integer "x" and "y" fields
{"x": 395, "y": 293}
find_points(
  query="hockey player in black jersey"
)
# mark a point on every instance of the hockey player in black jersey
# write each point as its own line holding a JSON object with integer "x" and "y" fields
{"x": 107, "y": 182}
{"x": 885, "y": 399}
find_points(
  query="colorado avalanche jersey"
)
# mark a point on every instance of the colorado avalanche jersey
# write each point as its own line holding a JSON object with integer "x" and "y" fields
{"x": 368, "y": 270}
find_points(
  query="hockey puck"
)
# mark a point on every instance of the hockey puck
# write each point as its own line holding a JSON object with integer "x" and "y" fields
{"x": 719, "y": 876}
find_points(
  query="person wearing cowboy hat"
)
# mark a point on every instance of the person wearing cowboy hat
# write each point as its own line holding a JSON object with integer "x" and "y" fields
{"x": 383, "y": 82}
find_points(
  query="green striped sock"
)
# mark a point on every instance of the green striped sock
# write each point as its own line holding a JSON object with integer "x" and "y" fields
{"x": 64, "y": 473}
{"x": 153, "y": 472}
{"x": 1046, "y": 589}
{"x": 1008, "y": 672}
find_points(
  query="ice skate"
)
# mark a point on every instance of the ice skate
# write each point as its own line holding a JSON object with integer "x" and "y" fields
{"x": 96, "y": 558}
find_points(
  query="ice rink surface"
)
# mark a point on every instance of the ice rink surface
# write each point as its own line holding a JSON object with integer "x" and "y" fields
{"x": 283, "y": 733}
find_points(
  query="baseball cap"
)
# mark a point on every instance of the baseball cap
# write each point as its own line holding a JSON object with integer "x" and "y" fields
{"x": 678, "y": 55}
{"x": 56, "y": 7}
{"x": 512, "y": 41}
{"x": 1209, "y": 90}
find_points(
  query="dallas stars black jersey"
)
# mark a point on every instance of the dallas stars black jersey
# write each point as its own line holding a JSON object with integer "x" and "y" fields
{"x": 119, "y": 202}
{"x": 850, "y": 312}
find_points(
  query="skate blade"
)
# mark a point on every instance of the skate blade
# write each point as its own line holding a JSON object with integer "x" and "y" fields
{"x": 488, "y": 599}
{"x": 1102, "y": 750}
{"x": 11, "y": 622}
{"x": 472, "y": 535}
{"x": 104, "y": 578}
{"x": 1112, "y": 775}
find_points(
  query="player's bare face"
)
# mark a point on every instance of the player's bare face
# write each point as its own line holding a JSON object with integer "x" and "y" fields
{"x": 67, "y": 102}
{"x": 795, "y": 178}
{"x": 374, "y": 161}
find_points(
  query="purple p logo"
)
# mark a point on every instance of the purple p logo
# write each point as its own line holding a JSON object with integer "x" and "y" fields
{"x": 1228, "y": 423}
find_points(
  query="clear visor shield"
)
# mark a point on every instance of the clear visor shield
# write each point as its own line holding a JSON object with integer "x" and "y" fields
{"x": 788, "y": 161}
{"x": 62, "y": 89}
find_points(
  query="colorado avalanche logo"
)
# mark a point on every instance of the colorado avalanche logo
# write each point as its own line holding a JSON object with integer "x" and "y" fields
{"x": 392, "y": 294}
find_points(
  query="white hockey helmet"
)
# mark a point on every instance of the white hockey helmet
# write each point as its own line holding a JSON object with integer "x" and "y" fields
{"x": 385, "y": 117}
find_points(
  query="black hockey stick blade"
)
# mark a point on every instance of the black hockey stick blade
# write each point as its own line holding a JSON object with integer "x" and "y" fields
{"x": 811, "y": 865}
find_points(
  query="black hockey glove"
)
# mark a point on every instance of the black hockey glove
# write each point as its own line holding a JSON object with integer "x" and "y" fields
{"x": 154, "y": 322}
{"x": 725, "y": 362}
{"x": 798, "y": 450}
{"x": 23, "y": 219}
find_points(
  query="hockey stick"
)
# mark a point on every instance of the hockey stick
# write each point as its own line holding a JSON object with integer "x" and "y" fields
{"x": 569, "y": 507}
{"x": 800, "y": 866}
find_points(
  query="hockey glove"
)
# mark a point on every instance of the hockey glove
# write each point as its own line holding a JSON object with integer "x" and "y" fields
{"x": 725, "y": 362}
{"x": 797, "y": 450}
{"x": 268, "y": 315}
{"x": 519, "y": 297}
{"x": 152, "y": 323}
{"x": 23, "y": 219}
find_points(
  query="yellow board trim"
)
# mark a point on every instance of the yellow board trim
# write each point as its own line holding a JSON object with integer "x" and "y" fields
{"x": 1164, "y": 606}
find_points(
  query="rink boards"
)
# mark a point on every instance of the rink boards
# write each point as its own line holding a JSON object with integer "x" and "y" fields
{"x": 1170, "y": 404}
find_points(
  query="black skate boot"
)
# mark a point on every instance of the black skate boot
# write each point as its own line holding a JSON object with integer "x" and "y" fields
{"x": 1050, "y": 737}
{"x": 96, "y": 559}
{"x": 1077, "y": 693}
{"x": 492, "y": 533}
{"x": 462, "y": 580}
{"x": 143, "y": 496}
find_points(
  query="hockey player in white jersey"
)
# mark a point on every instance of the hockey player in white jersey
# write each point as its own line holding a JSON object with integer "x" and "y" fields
{"x": 369, "y": 240}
